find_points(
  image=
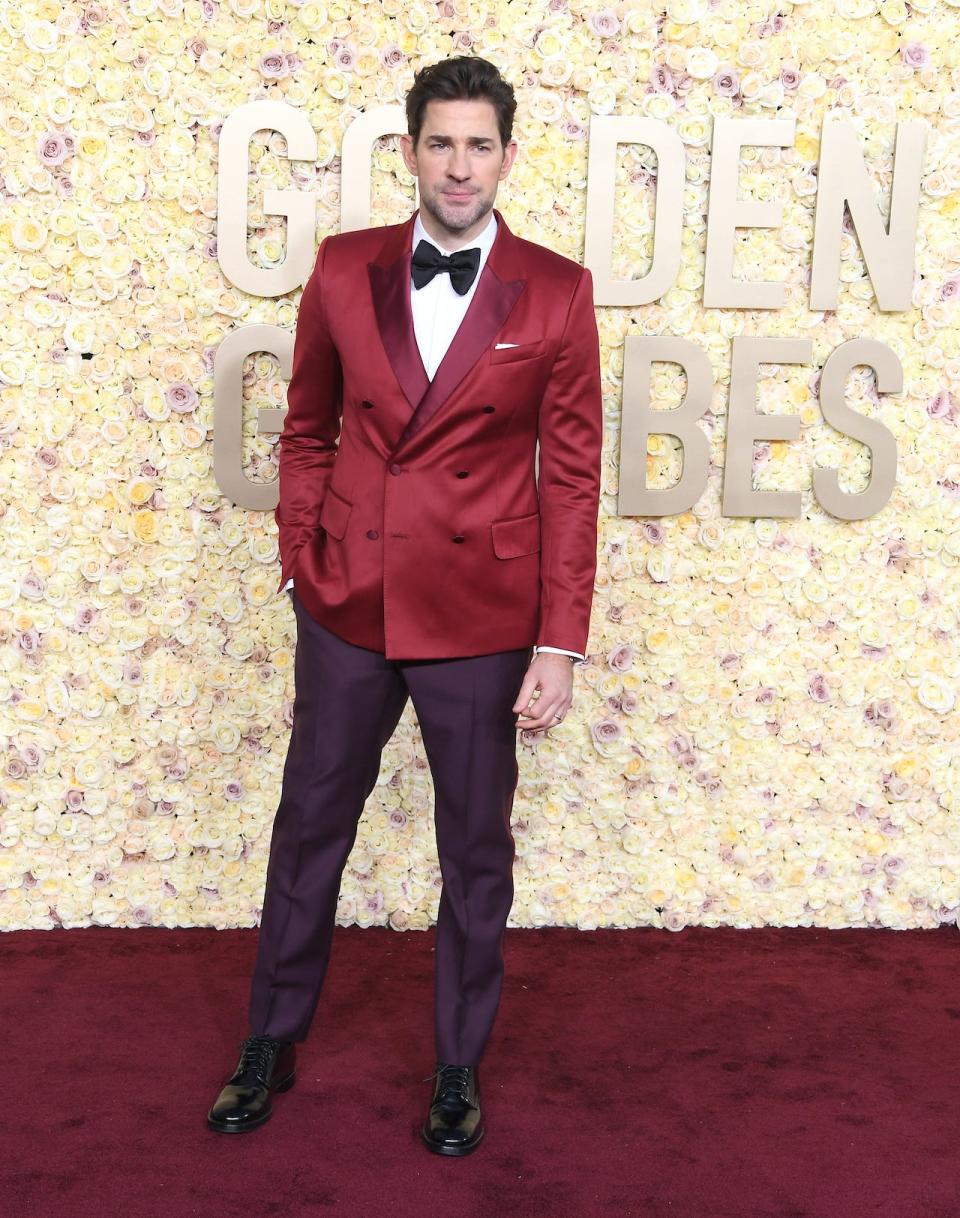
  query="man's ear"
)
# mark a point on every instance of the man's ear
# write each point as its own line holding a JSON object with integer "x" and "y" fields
{"x": 406, "y": 151}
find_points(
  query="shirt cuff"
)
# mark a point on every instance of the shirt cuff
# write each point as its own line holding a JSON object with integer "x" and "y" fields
{"x": 562, "y": 651}
{"x": 288, "y": 584}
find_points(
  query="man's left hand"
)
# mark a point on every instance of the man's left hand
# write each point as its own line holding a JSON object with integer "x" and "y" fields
{"x": 551, "y": 674}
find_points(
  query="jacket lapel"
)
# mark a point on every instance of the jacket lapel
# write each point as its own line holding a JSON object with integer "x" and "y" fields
{"x": 496, "y": 294}
{"x": 390, "y": 286}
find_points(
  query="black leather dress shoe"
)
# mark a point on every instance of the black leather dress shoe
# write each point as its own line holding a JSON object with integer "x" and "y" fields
{"x": 266, "y": 1065}
{"x": 454, "y": 1125}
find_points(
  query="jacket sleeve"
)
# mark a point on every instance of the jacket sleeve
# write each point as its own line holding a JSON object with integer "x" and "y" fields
{"x": 570, "y": 433}
{"x": 308, "y": 441}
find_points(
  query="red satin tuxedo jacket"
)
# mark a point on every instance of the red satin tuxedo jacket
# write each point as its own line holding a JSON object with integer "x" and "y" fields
{"x": 410, "y": 514}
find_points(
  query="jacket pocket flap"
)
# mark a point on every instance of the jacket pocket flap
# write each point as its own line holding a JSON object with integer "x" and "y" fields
{"x": 516, "y": 535}
{"x": 506, "y": 355}
{"x": 334, "y": 514}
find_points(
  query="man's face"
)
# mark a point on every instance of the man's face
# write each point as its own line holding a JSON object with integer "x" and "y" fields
{"x": 458, "y": 161}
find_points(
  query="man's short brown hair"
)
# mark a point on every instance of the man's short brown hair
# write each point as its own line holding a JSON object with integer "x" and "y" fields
{"x": 461, "y": 78}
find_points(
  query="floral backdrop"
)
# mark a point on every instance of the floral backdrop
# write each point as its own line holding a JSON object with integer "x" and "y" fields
{"x": 766, "y": 731}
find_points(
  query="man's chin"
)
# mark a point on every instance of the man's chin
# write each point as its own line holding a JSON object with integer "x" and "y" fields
{"x": 458, "y": 220}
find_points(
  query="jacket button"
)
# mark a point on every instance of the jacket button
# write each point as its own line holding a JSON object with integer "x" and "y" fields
{"x": 369, "y": 405}
{"x": 372, "y": 534}
{"x": 396, "y": 469}
{"x": 459, "y": 537}
{"x": 488, "y": 409}
{"x": 462, "y": 473}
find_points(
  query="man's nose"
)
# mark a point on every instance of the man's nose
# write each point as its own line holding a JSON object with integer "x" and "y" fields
{"x": 459, "y": 164}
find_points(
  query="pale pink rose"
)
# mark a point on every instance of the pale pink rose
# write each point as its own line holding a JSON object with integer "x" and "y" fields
{"x": 726, "y": 83}
{"x": 346, "y": 57}
{"x": 661, "y": 78}
{"x": 274, "y": 65}
{"x": 84, "y": 618}
{"x": 181, "y": 397}
{"x": 606, "y": 731}
{"x": 233, "y": 791}
{"x": 391, "y": 56}
{"x": 32, "y": 586}
{"x": 27, "y": 641}
{"x": 653, "y": 532}
{"x": 32, "y": 756}
{"x": 950, "y": 289}
{"x": 940, "y": 405}
{"x": 674, "y": 920}
{"x": 52, "y": 148}
{"x": 817, "y": 687}
{"x": 604, "y": 22}
{"x": 620, "y": 658}
{"x": 789, "y": 78}
{"x": 209, "y": 9}
{"x": 915, "y": 55}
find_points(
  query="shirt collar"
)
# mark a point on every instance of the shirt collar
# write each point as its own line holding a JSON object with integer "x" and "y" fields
{"x": 484, "y": 240}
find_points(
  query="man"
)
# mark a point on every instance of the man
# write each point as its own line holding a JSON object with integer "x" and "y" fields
{"x": 430, "y": 561}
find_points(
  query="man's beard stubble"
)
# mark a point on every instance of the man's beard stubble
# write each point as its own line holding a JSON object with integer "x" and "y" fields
{"x": 456, "y": 221}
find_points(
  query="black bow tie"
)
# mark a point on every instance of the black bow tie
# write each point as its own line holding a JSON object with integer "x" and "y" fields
{"x": 462, "y": 266}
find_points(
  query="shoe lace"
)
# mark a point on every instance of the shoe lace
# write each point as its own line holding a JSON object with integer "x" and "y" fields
{"x": 454, "y": 1082}
{"x": 257, "y": 1054}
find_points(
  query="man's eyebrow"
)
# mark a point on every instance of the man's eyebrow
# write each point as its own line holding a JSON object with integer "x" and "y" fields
{"x": 473, "y": 139}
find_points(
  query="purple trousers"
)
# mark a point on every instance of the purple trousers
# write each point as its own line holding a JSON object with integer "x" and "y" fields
{"x": 348, "y": 701}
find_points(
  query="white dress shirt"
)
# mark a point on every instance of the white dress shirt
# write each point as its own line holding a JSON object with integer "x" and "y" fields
{"x": 438, "y": 311}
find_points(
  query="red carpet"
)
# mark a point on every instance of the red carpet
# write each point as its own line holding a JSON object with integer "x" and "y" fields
{"x": 776, "y": 1073}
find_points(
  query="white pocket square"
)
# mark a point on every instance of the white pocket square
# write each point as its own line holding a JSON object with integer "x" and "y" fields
{"x": 500, "y": 346}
